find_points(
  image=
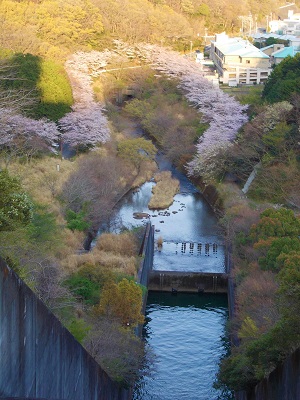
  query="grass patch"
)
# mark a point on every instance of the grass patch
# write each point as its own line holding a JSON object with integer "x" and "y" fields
{"x": 246, "y": 94}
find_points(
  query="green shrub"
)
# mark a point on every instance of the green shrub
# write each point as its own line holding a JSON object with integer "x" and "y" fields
{"x": 15, "y": 205}
{"x": 85, "y": 288}
{"x": 78, "y": 328}
{"x": 76, "y": 221}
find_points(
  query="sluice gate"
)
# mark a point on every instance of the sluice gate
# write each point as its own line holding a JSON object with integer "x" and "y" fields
{"x": 187, "y": 282}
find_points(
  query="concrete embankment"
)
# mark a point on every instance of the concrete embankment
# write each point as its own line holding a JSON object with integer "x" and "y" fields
{"x": 282, "y": 384}
{"x": 39, "y": 357}
{"x": 187, "y": 282}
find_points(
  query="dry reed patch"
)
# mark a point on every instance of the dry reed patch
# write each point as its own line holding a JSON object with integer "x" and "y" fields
{"x": 124, "y": 244}
{"x": 164, "y": 191}
{"x": 72, "y": 243}
{"x": 109, "y": 261}
{"x": 117, "y": 263}
{"x": 116, "y": 253}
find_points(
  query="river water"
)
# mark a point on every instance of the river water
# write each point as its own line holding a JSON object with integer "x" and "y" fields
{"x": 186, "y": 332}
{"x": 189, "y": 228}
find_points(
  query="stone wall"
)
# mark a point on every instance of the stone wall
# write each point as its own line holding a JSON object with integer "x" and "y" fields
{"x": 39, "y": 357}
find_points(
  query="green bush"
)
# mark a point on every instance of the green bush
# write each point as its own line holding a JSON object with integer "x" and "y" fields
{"x": 43, "y": 227}
{"x": 85, "y": 288}
{"x": 76, "y": 221}
{"x": 15, "y": 206}
{"x": 284, "y": 80}
{"x": 78, "y": 328}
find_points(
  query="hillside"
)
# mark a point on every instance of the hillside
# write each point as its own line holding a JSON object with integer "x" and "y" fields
{"x": 53, "y": 28}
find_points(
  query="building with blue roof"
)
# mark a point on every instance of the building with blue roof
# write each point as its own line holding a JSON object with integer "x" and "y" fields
{"x": 281, "y": 54}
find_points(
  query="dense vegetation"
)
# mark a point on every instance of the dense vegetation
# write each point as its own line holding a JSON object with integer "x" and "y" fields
{"x": 284, "y": 81}
{"x": 265, "y": 240}
{"x": 267, "y": 274}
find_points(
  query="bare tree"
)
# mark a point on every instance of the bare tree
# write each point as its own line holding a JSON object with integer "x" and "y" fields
{"x": 47, "y": 278}
{"x": 95, "y": 187}
{"x": 117, "y": 350}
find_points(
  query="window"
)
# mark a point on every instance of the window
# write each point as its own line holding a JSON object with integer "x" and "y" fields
{"x": 247, "y": 61}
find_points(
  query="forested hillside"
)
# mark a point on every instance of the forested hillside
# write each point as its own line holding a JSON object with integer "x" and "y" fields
{"x": 55, "y": 28}
{"x": 54, "y": 95}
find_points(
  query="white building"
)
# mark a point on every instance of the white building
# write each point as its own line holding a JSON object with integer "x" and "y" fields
{"x": 238, "y": 61}
{"x": 287, "y": 26}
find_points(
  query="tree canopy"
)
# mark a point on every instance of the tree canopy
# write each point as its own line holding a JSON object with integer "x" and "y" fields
{"x": 284, "y": 80}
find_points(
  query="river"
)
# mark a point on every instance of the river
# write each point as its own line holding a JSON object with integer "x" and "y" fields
{"x": 186, "y": 332}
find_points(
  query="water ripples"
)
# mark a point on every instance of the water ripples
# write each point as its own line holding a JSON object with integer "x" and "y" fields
{"x": 187, "y": 332}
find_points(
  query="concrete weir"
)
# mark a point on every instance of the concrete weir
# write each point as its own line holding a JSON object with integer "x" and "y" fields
{"x": 187, "y": 282}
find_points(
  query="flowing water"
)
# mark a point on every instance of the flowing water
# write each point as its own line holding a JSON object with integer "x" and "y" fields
{"x": 189, "y": 228}
{"x": 185, "y": 332}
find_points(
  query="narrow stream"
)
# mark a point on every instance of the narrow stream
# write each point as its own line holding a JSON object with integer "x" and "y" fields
{"x": 185, "y": 332}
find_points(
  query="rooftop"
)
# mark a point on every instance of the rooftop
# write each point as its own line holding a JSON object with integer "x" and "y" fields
{"x": 238, "y": 47}
{"x": 285, "y": 52}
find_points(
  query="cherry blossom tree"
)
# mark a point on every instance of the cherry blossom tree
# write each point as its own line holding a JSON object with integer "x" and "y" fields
{"x": 224, "y": 114}
{"x": 87, "y": 123}
{"x": 23, "y": 135}
{"x": 85, "y": 126}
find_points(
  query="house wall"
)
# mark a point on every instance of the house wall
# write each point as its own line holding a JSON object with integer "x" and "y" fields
{"x": 270, "y": 50}
{"x": 245, "y": 76}
{"x": 242, "y": 62}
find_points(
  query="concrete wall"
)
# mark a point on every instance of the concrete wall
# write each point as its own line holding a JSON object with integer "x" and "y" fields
{"x": 193, "y": 282}
{"x": 39, "y": 358}
{"x": 282, "y": 384}
{"x": 147, "y": 252}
